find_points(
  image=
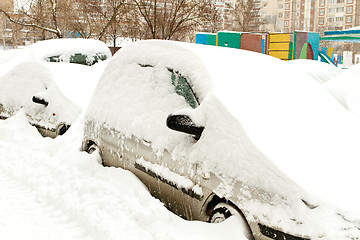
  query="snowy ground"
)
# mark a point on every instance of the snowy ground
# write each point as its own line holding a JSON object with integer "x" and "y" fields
{"x": 51, "y": 190}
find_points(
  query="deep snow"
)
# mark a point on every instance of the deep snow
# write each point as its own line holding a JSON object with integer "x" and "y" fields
{"x": 51, "y": 190}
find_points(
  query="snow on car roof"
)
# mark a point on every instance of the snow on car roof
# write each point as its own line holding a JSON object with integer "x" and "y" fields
{"x": 318, "y": 70}
{"x": 67, "y": 46}
{"x": 345, "y": 87}
{"x": 290, "y": 117}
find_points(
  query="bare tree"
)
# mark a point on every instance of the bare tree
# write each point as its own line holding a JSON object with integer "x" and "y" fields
{"x": 41, "y": 15}
{"x": 213, "y": 18}
{"x": 247, "y": 15}
{"x": 165, "y": 19}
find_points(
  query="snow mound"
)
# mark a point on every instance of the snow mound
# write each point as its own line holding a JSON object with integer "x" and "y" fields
{"x": 320, "y": 71}
{"x": 13, "y": 129}
{"x": 49, "y": 188}
{"x": 346, "y": 89}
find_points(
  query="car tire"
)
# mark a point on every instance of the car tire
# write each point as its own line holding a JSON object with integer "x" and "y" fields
{"x": 92, "y": 148}
{"x": 61, "y": 129}
{"x": 223, "y": 211}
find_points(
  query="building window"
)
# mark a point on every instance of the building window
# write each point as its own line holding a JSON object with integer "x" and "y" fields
{"x": 331, "y": 10}
{"x": 322, "y": 3}
{"x": 349, "y": 19}
{"x": 280, "y": 15}
{"x": 339, "y": 1}
{"x": 287, "y": 6}
{"x": 298, "y": 5}
{"x": 349, "y": 9}
{"x": 339, "y": 19}
{"x": 339, "y": 9}
{"x": 348, "y": 26}
{"x": 349, "y": 1}
{"x": 330, "y": 19}
{"x": 321, "y": 21}
{"x": 297, "y": 14}
{"x": 321, "y": 12}
{"x": 286, "y": 23}
{"x": 287, "y": 14}
{"x": 280, "y": 6}
{"x": 332, "y": 1}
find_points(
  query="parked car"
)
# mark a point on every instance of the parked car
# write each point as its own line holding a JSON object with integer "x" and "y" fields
{"x": 70, "y": 50}
{"x": 50, "y": 93}
{"x": 157, "y": 111}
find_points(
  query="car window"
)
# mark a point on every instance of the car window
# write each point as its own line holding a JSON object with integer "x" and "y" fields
{"x": 183, "y": 88}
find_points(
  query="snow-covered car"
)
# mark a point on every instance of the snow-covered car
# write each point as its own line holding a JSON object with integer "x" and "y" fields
{"x": 52, "y": 95}
{"x": 70, "y": 50}
{"x": 167, "y": 111}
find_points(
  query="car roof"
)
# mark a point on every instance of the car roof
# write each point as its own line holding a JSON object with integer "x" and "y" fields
{"x": 67, "y": 46}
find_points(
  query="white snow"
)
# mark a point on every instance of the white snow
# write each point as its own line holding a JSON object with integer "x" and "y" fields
{"x": 28, "y": 79}
{"x": 51, "y": 190}
{"x": 180, "y": 182}
{"x": 291, "y": 118}
{"x": 320, "y": 71}
{"x": 346, "y": 89}
{"x": 66, "y": 47}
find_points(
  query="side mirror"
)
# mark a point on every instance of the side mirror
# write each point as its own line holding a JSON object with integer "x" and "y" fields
{"x": 183, "y": 123}
{"x": 40, "y": 101}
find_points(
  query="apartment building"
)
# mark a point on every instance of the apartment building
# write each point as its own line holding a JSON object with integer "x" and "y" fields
{"x": 295, "y": 15}
{"x": 312, "y": 15}
{"x": 337, "y": 14}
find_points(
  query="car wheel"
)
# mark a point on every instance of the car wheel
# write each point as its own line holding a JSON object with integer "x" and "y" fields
{"x": 223, "y": 211}
{"x": 92, "y": 149}
{"x": 62, "y": 129}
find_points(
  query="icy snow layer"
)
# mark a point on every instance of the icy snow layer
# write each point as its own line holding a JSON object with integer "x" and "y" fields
{"x": 290, "y": 118}
{"x": 51, "y": 190}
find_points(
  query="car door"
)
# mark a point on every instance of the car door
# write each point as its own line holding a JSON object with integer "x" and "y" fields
{"x": 172, "y": 181}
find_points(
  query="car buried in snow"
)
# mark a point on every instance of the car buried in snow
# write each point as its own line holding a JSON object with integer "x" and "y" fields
{"x": 46, "y": 92}
{"x": 163, "y": 110}
{"x": 70, "y": 50}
